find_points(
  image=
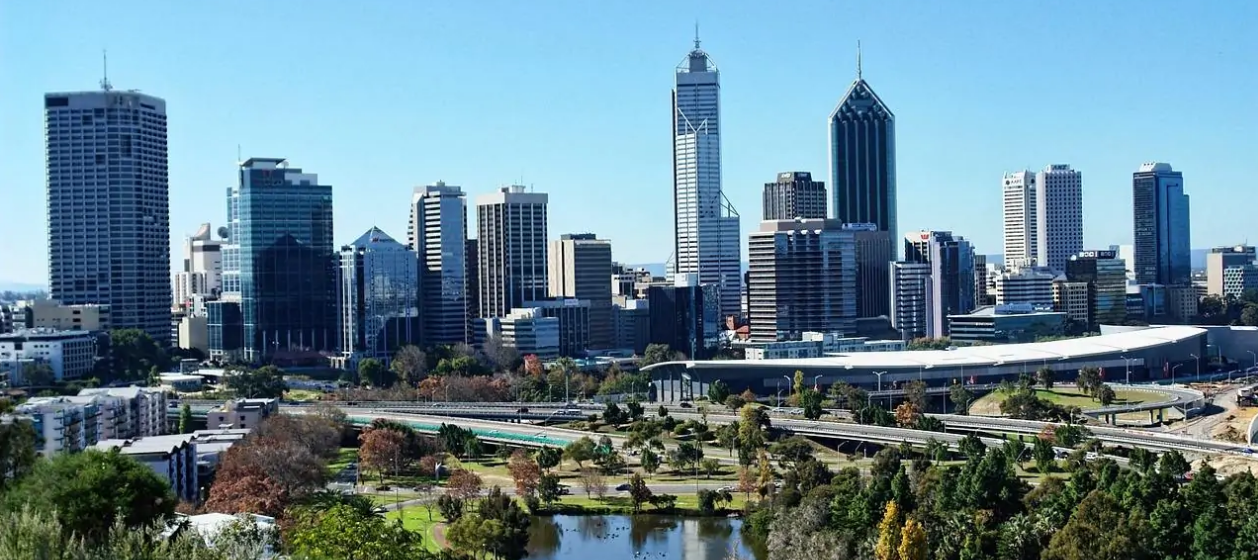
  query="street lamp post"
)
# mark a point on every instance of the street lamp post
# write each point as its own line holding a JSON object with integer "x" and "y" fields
{"x": 1198, "y": 358}
{"x": 779, "y": 398}
{"x": 1254, "y": 364}
{"x": 1127, "y": 362}
{"x": 880, "y": 374}
{"x": 789, "y": 382}
{"x": 814, "y": 382}
{"x": 1177, "y": 366}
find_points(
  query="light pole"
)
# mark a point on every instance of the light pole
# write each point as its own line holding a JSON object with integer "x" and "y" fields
{"x": 1127, "y": 361}
{"x": 1177, "y": 366}
{"x": 880, "y": 374}
{"x": 789, "y": 382}
{"x": 1254, "y": 364}
{"x": 779, "y": 399}
{"x": 1198, "y": 365}
{"x": 815, "y": 387}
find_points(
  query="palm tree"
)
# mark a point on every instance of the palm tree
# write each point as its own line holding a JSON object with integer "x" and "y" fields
{"x": 567, "y": 366}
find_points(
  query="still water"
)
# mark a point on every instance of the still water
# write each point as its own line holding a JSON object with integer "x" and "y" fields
{"x": 638, "y": 537}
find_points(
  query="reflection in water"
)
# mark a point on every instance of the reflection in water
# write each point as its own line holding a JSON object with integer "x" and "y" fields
{"x": 641, "y": 537}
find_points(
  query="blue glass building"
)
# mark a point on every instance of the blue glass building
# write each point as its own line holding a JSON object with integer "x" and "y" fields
{"x": 378, "y": 297}
{"x": 1162, "y": 239}
{"x": 862, "y": 160}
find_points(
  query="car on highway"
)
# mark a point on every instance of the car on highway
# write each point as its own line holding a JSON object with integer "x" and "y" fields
{"x": 725, "y": 489}
{"x": 522, "y": 410}
{"x": 622, "y": 487}
{"x": 564, "y": 489}
{"x": 685, "y": 404}
{"x": 1249, "y": 451}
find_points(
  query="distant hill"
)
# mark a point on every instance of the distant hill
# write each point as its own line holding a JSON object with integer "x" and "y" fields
{"x": 11, "y": 286}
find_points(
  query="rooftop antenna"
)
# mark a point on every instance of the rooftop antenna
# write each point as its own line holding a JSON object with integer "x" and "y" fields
{"x": 858, "y": 59}
{"x": 104, "y": 80}
{"x": 696, "y": 34}
{"x": 238, "y": 160}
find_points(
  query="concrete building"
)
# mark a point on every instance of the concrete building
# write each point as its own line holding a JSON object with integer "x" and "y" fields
{"x": 1074, "y": 299}
{"x": 951, "y": 260}
{"x": 1218, "y": 260}
{"x": 528, "y": 330}
{"x": 1019, "y": 218}
{"x": 438, "y": 235}
{"x": 981, "y": 281}
{"x": 1058, "y": 215}
{"x": 794, "y": 195}
{"x": 279, "y": 265}
{"x": 1106, "y": 277}
{"x": 801, "y": 277}
{"x": 817, "y": 344}
{"x": 1006, "y": 324}
{"x": 1167, "y": 303}
{"x": 579, "y": 267}
{"x": 685, "y": 317}
{"x": 1025, "y": 285}
{"x": 1162, "y": 226}
{"x": 862, "y": 160}
{"x": 200, "y": 279}
{"x": 109, "y": 206}
{"x": 61, "y": 425}
{"x": 511, "y": 234}
{"x": 143, "y": 411}
{"x": 911, "y": 304}
{"x": 873, "y": 261}
{"x": 194, "y": 333}
{"x": 574, "y": 323}
{"x": 1239, "y": 279}
{"x": 70, "y": 354}
{"x": 173, "y": 458}
{"x": 632, "y": 320}
{"x": 705, "y": 224}
{"x": 378, "y": 297}
{"x": 242, "y": 414}
{"x": 625, "y": 280}
{"x": 54, "y": 315}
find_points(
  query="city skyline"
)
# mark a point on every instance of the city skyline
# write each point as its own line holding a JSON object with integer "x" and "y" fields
{"x": 266, "y": 120}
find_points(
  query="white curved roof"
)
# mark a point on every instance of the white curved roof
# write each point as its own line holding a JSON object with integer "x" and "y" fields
{"x": 1093, "y": 346}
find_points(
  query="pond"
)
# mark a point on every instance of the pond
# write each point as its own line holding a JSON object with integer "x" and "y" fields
{"x": 638, "y": 537}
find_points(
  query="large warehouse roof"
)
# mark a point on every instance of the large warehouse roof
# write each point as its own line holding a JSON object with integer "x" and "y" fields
{"x": 970, "y": 356}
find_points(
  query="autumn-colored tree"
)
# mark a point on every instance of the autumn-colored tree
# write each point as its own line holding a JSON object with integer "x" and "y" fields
{"x": 765, "y": 477}
{"x": 525, "y": 472}
{"x": 888, "y": 546}
{"x": 315, "y": 433}
{"x": 913, "y": 541}
{"x": 746, "y": 482}
{"x": 428, "y": 465}
{"x": 382, "y": 450}
{"x": 249, "y": 494}
{"x": 463, "y": 484}
{"x": 593, "y": 482}
{"x": 295, "y": 469}
{"x": 748, "y": 396}
{"x": 533, "y": 365}
{"x": 907, "y": 414}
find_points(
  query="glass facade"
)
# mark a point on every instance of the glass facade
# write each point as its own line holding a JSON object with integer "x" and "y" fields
{"x": 378, "y": 293}
{"x": 862, "y": 160}
{"x": 224, "y": 328}
{"x": 686, "y": 318}
{"x": 1106, "y": 276}
{"x": 1162, "y": 236}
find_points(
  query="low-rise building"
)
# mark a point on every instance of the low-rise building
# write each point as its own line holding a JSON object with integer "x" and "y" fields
{"x": 574, "y": 323}
{"x": 181, "y": 382}
{"x": 52, "y": 314}
{"x": 70, "y": 354}
{"x": 527, "y": 330}
{"x": 1006, "y": 324}
{"x": 194, "y": 333}
{"x": 631, "y": 320}
{"x": 172, "y": 457}
{"x": 817, "y": 344}
{"x": 145, "y": 410}
{"x": 1074, "y": 299}
{"x": 242, "y": 413}
{"x": 61, "y": 424}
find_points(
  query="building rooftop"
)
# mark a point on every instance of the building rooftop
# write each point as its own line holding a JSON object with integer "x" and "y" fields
{"x": 151, "y": 445}
{"x": 1009, "y": 310}
{"x": 45, "y": 333}
{"x": 124, "y": 392}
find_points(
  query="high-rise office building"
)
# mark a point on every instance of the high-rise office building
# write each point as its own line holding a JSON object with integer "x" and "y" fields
{"x": 873, "y": 259}
{"x": 685, "y": 316}
{"x": 1025, "y": 285}
{"x": 378, "y": 297}
{"x": 472, "y": 253}
{"x": 1106, "y": 277}
{"x": 951, "y": 260}
{"x": 511, "y": 249}
{"x": 862, "y": 159}
{"x": 1058, "y": 215}
{"x": 794, "y": 195}
{"x": 109, "y": 206}
{"x": 980, "y": 282}
{"x": 801, "y": 277}
{"x": 1019, "y": 218}
{"x": 705, "y": 224}
{"x": 1219, "y": 259}
{"x": 438, "y": 234}
{"x": 1160, "y": 215}
{"x": 580, "y": 267}
{"x": 201, "y": 277}
{"x": 910, "y": 300}
{"x": 279, "y": 265}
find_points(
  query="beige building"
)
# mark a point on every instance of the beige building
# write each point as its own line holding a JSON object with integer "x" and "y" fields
{"x": 194, "y": 333}
{"x": 51, "y": 314}
{"x": 1072, "y": 299}
{"x": 244, "y": 414}
{"x": 579, "y": 266}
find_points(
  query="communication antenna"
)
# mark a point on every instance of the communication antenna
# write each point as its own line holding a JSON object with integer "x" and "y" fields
{"x": 696, "y": 34}
{"x": 104, "y": 80}
{"x": 238, "y": 160}
{"x": 858, "y": 59}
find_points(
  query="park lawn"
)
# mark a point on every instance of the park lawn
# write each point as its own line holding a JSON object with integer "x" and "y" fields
{"x": 415, "y": 518}
{"x": 1069, "y": 396}
{"x": 303, "y": 395}
{"x": 344, "y": 456}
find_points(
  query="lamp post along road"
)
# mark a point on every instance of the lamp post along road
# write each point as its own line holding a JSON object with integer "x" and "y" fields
{"x": 1177, "y": 366}
{"x": 1198, "y": 358}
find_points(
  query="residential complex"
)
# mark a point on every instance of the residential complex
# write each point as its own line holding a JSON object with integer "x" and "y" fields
{"x": 68, "y": 354}
{"x": 911, "y": 303}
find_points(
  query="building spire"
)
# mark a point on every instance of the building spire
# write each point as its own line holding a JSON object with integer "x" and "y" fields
{"x": 696, "y": 34}
{"x": 858, "y": 59}
{"x": 104, "y": 80}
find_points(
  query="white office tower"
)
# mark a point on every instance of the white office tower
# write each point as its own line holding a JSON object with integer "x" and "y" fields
{"x": 911, "y": 299}
{"x": 108, "y": 205}
{"x": 201, "y": 277}
{"x": 1058, "y": 215}
{"x": 1019, "y": 214}
{"x": 705, "y": 224}
{"x": 511, "y": 236}
{"x": 1025, "y": 285}
{"x": 438, "y": 235}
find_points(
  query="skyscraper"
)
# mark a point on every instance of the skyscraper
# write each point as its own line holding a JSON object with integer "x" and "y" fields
{"x": 862, "y": 159}
{"x": 1058, "y": 215}
{"x": 801, "y": 277}
{"x": 951, "y": 260}
{"x": 511, "y": 249}
{"x": 1160, "y": 215}
{"x": 280, "y": 264}
{"x": 1019, "y": 217}
{"x": 201, "y": 277}
{"x": 378, "y": 297}
{"x": 109, "y": 206}
{"x": 705, "y": 224}
{"x": 794, "y": 195}
{"x": 911, "y": 304}
{"x": 438, "y": 234}
{"x": 873, "y": 257}
{"x": 580, "y": 267}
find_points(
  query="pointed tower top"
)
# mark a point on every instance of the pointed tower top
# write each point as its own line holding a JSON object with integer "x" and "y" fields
{"x": 104, "y": 80}
{"x": 696, "y": 35}
{"x": 858, "y": 59}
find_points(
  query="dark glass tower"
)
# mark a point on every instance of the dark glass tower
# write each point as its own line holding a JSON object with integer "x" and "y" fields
{"x": 862, "y": 159}
{"x": 1162, "y": 229}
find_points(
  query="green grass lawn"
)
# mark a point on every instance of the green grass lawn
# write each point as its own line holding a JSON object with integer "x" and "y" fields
{"x": 416, "y": 519}
{"x": 1068, "y": 396}
{"x": 344, "y": 457}
{"x": 302, "y": 395}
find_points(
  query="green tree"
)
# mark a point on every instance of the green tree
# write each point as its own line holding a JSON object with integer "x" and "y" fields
{"x": 727, "y": 437}
{"x": 549, "y": 457}
{"x": 710, "y": 467}
{"x": 37, "y": 374}
{"x": 17, "y": 451}
{"x": 134, "y": 353}
{"x": 88, "y": 491}
{"x": 1044, "y": 455}
{"x": 792, "y": 451}
{"x": 915, "y": 393}
{"x": 343, "y": 532}
{"x": 961, "y": 397}
{"x": 1046, "y": 376}
{"x": 266, "y": 382}
{"x": 656, "y": 354}
{"x": 1105, "y": 394}
{"x": 1174, "y": 464}
{"x": 639, "y": 492}
{"x": 1099, "y": 530}
{"x": 612, "y": 414}
{"x": 409, "y": 365}
{"x": 1249, "y": 316}
{"x": 185, "y": 419}
{"x": 718, "y": 391}
{"x": 649, "y": 461}
{"x": 372, "y": 371}
{"x": 549, "y": 490}
{"x": 810, "y": 400}
{"x": 634, "y": 410}
{"x": 798, "y": 383}
{"x": 580, "y": 451}
{"x": 751, "y": 421}
{"x": 1089, "y": 380}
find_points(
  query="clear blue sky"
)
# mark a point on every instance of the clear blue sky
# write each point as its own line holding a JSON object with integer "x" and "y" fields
{"x": 572, "y": 96}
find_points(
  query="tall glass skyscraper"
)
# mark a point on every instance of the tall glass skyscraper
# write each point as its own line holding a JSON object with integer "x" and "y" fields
{"x": 439, "y": 238}
{"x": 109, "y": 205}
{"x": 862, "y": 159}
{"x": 706, "y": 229}
{"x": 378, "y": 297}
{"x": 1162, "y": 237}
{"x": 279, "y": 263}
